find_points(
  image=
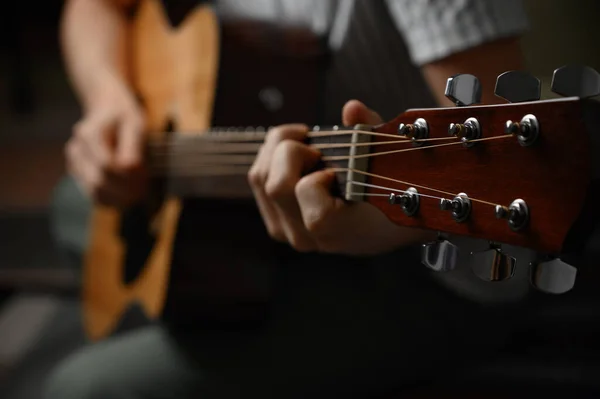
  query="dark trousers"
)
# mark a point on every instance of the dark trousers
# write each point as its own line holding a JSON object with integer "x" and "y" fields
{"x": 335, "y": 330}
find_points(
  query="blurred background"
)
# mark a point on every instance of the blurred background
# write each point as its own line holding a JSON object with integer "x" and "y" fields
{"x": 39, "y": 308}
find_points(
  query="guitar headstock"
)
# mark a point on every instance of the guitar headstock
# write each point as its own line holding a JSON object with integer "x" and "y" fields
{"x": 522, "y": 173}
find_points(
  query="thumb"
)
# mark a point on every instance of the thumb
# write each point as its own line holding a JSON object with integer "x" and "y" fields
{"x": 129, "y": 142}
{"x": 355, "y": 112}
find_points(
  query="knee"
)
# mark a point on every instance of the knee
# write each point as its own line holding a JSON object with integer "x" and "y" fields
{"x": 76, "y": 378}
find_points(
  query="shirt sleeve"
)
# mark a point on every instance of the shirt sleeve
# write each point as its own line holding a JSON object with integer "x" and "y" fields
{"x": 436, "y": 29}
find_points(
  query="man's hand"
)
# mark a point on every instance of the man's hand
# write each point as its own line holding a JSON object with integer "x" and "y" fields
{"x": 104, "y": 153}
{"x": 298, "y": 208}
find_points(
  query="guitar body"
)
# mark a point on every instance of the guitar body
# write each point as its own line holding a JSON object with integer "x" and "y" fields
{"x": 182, "y": 92}
{"x": 183, "y": 74}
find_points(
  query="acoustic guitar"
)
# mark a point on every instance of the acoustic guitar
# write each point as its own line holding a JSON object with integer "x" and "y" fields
{"x": 190, "y": 70}
{"x": 521, "y": 173}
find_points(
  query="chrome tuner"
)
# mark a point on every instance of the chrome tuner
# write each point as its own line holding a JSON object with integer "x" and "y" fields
{"x": 460, "y": 206}
{"x": 463, "y": 90}
{"x": 553, "y": 276}
{"x": 409, "y": 201}
{"x": 493, "y": 264}
{"x": 440, "y": 255}
{"x": 517, "y": 214}
{"x": 527, "y": 130}
{"x": 576, "y": 81}
{"x": 466, "y": 132}
{"x": 419, "y": 130}
{"x": 518, "y": 87}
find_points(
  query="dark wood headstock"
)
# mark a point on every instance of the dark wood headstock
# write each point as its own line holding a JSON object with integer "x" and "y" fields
{"x": 555, "y": 176}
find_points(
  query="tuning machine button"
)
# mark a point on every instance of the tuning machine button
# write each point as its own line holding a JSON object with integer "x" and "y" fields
{"x": 440, "y": 255}
{"x": 552, "y": 276}
{"x": 463, "y": 90}
{"x": 419, "y": 130}
{"x": 576, "y": 81}
{"x": 518, "y": 86}
{"x": 517, "y": 214}
{"x": 409, "y": 201}
{"x": 493, "y": 264}
{"x": 460, "y": 206}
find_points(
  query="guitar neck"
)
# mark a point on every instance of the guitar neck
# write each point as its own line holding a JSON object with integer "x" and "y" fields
{"x": 215, "y": 164}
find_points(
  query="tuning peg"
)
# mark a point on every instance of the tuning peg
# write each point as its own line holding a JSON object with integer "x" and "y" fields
{"x": 518, "y": 86}
{"x": 516, "y": 214}
{"x": 460, "y": 206}
{"x": 409, "y": 201}
{"x": 463, "y": 90}
{"x": 440, "y": 255}
{"x": 553, "y": 276}
{"x": 576, "y": 81}
{"x": 493, "y": 264}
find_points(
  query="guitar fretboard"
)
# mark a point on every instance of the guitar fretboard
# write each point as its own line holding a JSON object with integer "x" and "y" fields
{"x": 215, "y": 163}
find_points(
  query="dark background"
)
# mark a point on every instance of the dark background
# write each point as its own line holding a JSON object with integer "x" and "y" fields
{"x": 39, "y": 313}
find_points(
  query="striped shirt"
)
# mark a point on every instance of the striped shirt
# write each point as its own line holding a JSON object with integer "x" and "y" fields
{"x": 378, "y": 47}
{"x": 370, "y": 65}
{"x": 431, "y": 29}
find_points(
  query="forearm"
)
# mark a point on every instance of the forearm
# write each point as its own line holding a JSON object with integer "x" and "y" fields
{"x": 94, "y": 42}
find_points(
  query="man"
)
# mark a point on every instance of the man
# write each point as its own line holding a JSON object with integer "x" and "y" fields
{"x": 368, "y": 320}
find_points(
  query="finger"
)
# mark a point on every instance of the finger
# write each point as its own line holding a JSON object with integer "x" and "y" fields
{"x": 292, "y": 131}
{"x": 90, "y": 177}
{"x": 291, "y": 160}
{"x": 91, "y": 133}
{"x": 80, "y": 166}
{"x": 318, "y": 207}
{"x": 355, "y": 112}
{"x": 259, "y": 172}
{"x": 337, "y": 227}
{"x": 356, "y": 229}
{"x": 257, "y": 177}
{"x": 129, "y": 142}
{"x": 102, "y": 183}
{"x": 72, "y": 159}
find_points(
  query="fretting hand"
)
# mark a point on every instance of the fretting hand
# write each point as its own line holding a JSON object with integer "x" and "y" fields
{"x": 299, "y": 209}
{"x": 104, "y": 153}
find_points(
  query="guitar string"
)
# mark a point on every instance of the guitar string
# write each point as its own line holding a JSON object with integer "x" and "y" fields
{"x": 367, "y": 195}
{"x": 229, "y": 154}
{"x": 241, "y": 172}
{"x": 395, "y": 190}
{"x": 244, "y": 138}
{"x": 408, "y": 184}
{"x": 165, "y": 150}
{"x": 374, "y": 154}
{"x": 241, "y": 136}
{"x": 222, "y": 159}
{"x": 223, "y": 148}
{"x": 234, "y": 153}
{"x": 245, "y": 170}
